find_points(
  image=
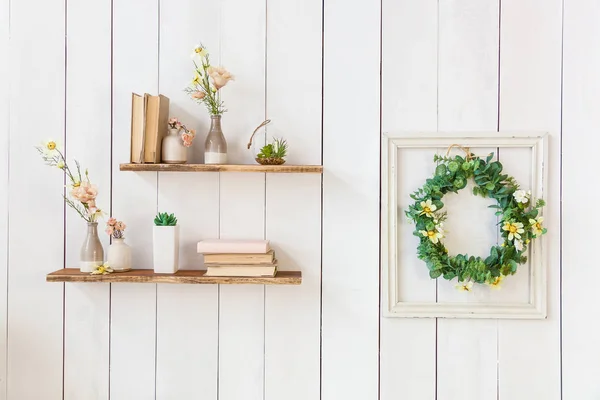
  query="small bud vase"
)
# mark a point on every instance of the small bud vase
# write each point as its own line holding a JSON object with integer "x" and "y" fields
{"x": 119, "y": 255}
{"x": 92, "y": 253}
{"x": 173, "y": 150}
{"x": 215, "y": 147}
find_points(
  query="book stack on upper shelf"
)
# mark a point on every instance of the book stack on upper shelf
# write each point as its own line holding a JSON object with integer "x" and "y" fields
{"x": 149, "y": 124}
{"x": 251, "y": 258}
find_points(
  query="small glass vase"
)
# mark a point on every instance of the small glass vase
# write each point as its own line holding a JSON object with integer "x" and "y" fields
{"x": 215, "y": 147}
{"x": 173, "y": 150}
{"x": 119, "y": 255}
{"x": 92, "y": 253}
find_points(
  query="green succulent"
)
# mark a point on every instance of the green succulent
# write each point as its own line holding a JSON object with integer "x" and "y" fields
{"x": 276, "y": 149}
{"x": 164, "y": 219}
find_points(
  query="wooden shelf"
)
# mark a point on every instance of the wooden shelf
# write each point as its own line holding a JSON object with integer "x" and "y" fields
{"x": 285, "y": 168}
{"x": 181, "y": 276}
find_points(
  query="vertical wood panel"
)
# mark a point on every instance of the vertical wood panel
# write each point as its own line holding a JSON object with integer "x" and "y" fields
{"x": 293, "y": 203}
{"x": 187, "y": 314}
{"x": 37, "y": 93}
{"x": 88, "y": 116}
{"x": 242, "y": 198}
{"x": 530, "y": 98}
{"x": 133, "y": 307}
{"x": 468, "y": 82}
{"x": 351, "y": 146}
{"x": 409, "y": 102}
{"x": 581, "y": 120}
{"x": 4, "y": 135}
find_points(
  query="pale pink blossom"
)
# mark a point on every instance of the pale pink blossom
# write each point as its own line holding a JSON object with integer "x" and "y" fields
{"x": 198, "y": 95}
{"x": 111, "y": 221}
{"x": 187, "y": 138}
{"x": 120, "y": 226}
{"x": 85, "y": 192}
{"x": 220, "y": 76}
{"x": 109, "y": 230}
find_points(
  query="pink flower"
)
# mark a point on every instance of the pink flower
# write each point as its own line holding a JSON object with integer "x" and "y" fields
{"x": 111, "y": 221}
{"x": 198, "y": 95}
{"x": 220, "y": 76}
{"x": 85, "y": 192}
{"x": 172, "y": 121}
{"x": 187, "y": 138}
{"x": 120, "y": 226}
{"x": 109, "y": 230}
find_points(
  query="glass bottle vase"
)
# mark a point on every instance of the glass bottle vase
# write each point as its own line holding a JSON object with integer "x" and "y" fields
{"x": 215, "y": 146}
{"x": 92, "y": 253}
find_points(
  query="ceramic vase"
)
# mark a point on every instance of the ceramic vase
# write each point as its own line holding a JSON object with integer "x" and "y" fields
{"x": 215, "y": 146}
{"x": 173, "y": 150}
{"x": 166, "y": 249}
{"x": 119, "y": 256}
{"x": 92, "y": 253}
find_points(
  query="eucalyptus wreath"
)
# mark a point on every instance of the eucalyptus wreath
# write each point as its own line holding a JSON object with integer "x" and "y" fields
{"x": 519, "y": 216}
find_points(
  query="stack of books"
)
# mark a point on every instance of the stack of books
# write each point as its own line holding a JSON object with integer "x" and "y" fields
{"x": 249, "y": 258}
{"x": 149, "y": 124}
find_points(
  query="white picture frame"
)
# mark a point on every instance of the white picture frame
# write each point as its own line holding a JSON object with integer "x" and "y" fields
{"x": 392, "y": 304}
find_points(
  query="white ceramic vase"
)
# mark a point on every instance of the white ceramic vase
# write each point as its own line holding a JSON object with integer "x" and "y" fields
{"x": 119, "y": 256}
{"x": 166, "y": 249}
{"x": 173, "y": 150}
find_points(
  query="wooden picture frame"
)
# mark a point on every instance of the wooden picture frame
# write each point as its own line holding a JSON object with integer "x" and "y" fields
{"x": 392, "y": 303}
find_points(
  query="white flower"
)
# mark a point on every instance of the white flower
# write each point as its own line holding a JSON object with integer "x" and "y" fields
{"x": 103, "y": 269}
{"x": 434, "y": 235}
{"x": 514, "y": 229}
{"x": 465, "y": 287}
{"x": 522, "y": 196}
{"x": 427, "y": 208}
{"x": 198, "y": 53}
{"x": 519, "y": 245}
{"x": 536, "y": 226}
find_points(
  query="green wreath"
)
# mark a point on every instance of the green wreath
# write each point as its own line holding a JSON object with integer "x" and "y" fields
{"x": 519, "y": 216}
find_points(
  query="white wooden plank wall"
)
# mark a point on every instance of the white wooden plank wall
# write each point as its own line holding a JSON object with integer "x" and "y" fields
{"x": 4, "y": 146}
{"x": 88, "y": 139}
{"x": 351, "y": 143}
{"x": 313, "y": 67}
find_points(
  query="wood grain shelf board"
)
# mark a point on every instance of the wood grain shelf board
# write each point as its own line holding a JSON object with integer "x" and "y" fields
{"x": 314, "y": 169}
{"x": 181, "y": 276}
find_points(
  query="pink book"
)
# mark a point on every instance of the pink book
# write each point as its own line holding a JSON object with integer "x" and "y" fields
{"x": 233, "y": 246}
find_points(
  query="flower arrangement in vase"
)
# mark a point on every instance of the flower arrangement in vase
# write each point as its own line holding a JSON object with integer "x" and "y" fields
{"x": 166, "y": 243}
{"x": 205, "y": 88}
{"x": 82, "y": 199}
{"x": 119, "y": 252}
{"x": 175, "y": 145}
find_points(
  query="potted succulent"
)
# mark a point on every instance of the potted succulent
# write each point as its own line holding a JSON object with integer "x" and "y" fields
{"x": 273, "y": 153}
{"x": 166, "y": 243}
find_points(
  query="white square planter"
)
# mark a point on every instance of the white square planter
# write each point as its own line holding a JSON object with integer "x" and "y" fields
{"x": 166, "y": 249}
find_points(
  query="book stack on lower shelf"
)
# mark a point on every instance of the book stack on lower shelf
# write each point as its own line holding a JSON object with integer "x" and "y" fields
{"x": 249, "y": 258}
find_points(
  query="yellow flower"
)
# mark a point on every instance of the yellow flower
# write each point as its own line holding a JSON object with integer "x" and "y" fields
{"x": 103, "y": 269}
{"x": 51, "y": 145}
{"x": 495, "y": 283}
{"x": 465, "y": 287}
{"x": 536, "y": 226}
{"x": 434, "y": 235}
{"x": 60, "y": 165}
{"x": 514, "y": 229}
{"x": 427, "y": 208}
{"x": 197, "y": 79}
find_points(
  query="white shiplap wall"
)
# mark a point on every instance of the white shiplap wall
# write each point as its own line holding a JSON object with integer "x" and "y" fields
{"x": 313, "y": 67}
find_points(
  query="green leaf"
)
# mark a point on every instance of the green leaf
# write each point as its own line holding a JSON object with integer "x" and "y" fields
{"x": 453, "y": 166}
{"x": 435, "y": 274}
{"x": 490, "y": 186}
{"x": 489, "y": 157}
{"x": 441, "y": 170}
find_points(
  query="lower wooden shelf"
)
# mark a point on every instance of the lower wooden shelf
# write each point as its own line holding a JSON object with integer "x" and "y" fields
{"x": 181, "y": 276}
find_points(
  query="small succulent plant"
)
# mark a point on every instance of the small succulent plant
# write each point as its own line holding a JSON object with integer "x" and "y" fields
{"x": 165, "y": 219}
{"x": 273, "y": 153}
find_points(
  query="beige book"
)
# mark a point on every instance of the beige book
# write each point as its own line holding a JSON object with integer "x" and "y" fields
{"x": 138, "y": 122}
{"x": 270, "y": 264}
{"x": 248, "y": 271}
{"x": 157, "y": 119}
{"x": 234, "y": 259}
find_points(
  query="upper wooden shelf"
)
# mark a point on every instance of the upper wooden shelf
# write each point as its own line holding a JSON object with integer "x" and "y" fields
{"x": 181, "y": 276}
{"x": 285, "y": 168}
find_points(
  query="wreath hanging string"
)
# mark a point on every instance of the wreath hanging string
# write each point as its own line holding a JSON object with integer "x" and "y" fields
{"x": 519, "y": 217}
